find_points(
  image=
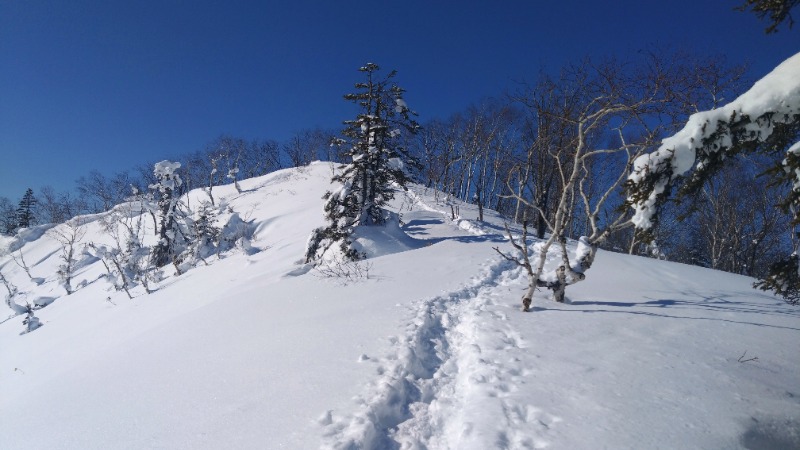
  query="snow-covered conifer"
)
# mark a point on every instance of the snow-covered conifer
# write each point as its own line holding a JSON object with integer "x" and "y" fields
{"x": 765, "y": 120}
{"x": 166, "y": 191}
{"x": 379, "y": 163}
{"x": 206, "y": 234}
{"x": 25, "y": 214}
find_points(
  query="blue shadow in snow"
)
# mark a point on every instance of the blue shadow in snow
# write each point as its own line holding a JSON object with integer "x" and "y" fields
{"x": 719, "y": 303}
{"x": 417, "y": 229}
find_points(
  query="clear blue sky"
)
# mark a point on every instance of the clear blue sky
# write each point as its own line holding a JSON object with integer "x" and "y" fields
{"x": 109, "y": 84}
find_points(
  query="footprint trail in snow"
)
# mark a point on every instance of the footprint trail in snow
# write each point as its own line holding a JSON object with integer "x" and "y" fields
{"x": 451, "y": 381}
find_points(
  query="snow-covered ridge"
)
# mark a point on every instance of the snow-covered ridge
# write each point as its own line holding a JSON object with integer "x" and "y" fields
{"x": 430, "y": 351}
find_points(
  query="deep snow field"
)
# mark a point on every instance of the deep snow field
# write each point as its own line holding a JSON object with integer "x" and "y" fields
{"x": 430, "y": 351}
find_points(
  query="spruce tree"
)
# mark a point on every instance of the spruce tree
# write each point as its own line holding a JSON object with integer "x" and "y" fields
{"x": 25, "y": 216}
{"x": 167, "y": 195}
{"x": 380, "y": 162}
{"x": 8, "y": 216}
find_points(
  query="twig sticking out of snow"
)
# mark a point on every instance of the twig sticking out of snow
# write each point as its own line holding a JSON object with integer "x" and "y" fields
{"x": 742, "y": 360}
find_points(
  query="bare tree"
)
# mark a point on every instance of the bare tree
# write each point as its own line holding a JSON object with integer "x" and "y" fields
{"x": 69, "y": 235}
{"x": 259, "y": 157}
{"x": 10, "y": 288}
{"x": 19, "y": 260}
{"x": 127, "y": 261}
{"x": 8, "y": 216}
{"x": 309, "y": 145}
{"x": 57, "y": 207}
{"x": 613, "y": 111}
{"x": 549, "y": 141}
{"x": 99, "y": 193}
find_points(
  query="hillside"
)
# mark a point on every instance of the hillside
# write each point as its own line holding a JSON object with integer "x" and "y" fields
{"x": 256, "y": 350}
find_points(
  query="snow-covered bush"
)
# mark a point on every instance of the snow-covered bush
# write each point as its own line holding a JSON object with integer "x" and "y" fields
{"x": 11, "y": 292}
{"x": 127, "y": 260}
{"x": 205, "y": 236}
{"x": 343, "y": 269}
{"x": 31, "y": 322}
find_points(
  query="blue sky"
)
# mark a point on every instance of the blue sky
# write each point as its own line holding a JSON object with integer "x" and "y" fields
{"x": 109, "y": 84}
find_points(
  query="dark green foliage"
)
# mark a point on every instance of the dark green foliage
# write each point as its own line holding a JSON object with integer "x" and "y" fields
{"x": 778, "y": 11}
{"x": 378, "y": 156}
{"x": 8, "y": 216}
{"x": 380, "y": 163}
{"x": 767, "y": 136}
{"x": 783, "y": 279}
{"x": 205, "y": 234}
{"x": 25, "y": 216}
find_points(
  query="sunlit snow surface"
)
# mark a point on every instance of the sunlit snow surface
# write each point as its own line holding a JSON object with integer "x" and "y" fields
{"x": 257, "y": 351}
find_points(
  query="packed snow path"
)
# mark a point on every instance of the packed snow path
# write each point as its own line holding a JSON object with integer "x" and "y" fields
{"x": 450, "y": 381}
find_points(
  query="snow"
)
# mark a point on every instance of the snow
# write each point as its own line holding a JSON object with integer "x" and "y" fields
{"x": 165, "y": 173}
{"x": 778, "y": 92}
{"x": 166, "y": 168}
{"x": 400, "y": 105}
{"x": 384, "y": 240}
{"x": 431, "y": 351}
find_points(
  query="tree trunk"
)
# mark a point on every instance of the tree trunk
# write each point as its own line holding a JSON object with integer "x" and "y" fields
{"x": 560, "y": 287}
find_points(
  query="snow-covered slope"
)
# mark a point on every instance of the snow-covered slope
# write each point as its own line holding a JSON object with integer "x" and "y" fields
{"x": 430, "y": 351}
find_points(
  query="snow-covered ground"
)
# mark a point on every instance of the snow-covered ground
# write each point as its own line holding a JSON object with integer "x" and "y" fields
{"x": 430, "y": 351}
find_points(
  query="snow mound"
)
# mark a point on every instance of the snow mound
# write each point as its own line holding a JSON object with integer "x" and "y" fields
{"x": 386, "y": 239}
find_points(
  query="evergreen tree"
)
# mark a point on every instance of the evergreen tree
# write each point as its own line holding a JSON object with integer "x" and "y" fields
{"x": 8, "y": 216}
{"x": 206, "y": 236}
{"x": 25, "y": 216}
{"x": 762, "y": 122}
{"x": 380, "y": 162}
{"x": 776, "y": 11}
{"x": 167, "y": 197}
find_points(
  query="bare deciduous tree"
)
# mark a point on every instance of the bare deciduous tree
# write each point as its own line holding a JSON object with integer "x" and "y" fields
{"x": 69, "y": 235}
{"x": 614, "y": 112}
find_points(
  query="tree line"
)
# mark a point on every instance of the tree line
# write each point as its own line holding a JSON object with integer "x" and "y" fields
{"x": 552, "y": 154}
{"x": 223, "y": 160}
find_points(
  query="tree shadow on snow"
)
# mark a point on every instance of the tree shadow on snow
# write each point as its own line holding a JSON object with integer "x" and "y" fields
{"x": 420, "y": 226}
{"x": 670, "y": 308}
{"x": 417, "y": 229}
{"x": 668, "y": 316}
{"x": 717, "y": 302}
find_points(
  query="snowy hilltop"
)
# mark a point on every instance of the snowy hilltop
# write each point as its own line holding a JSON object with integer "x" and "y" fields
{"x": 421, "y": 345}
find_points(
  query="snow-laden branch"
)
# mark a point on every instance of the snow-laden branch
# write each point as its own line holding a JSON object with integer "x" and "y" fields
{"x": 708, "y": 135}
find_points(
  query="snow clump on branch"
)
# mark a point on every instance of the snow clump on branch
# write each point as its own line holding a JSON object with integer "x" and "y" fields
{"x": 773, "y": 100}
